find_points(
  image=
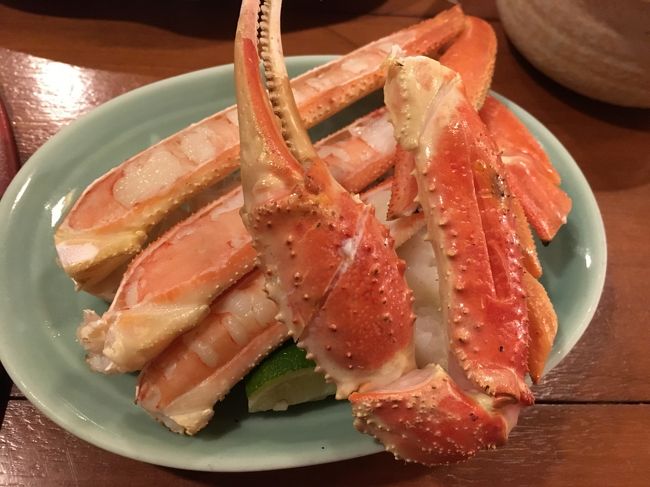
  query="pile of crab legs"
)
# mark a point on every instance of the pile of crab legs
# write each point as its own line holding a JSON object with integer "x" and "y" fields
{"x": 195, "y": 313}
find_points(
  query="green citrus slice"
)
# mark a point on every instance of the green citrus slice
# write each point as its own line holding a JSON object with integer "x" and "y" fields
{"x": 283, "y": 379}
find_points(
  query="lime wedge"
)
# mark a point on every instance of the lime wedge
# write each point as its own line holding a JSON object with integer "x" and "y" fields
{"x": 283, "y": 379}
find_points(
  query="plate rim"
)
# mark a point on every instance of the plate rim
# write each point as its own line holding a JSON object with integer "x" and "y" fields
{"x": 15, "y": 192}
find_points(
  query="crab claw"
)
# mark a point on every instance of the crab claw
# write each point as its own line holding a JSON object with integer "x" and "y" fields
{"x": 426, "y": 417}
{"x": 330, "y": 265}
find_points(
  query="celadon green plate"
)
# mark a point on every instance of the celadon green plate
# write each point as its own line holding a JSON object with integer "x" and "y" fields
{"x": 40, "y": 310}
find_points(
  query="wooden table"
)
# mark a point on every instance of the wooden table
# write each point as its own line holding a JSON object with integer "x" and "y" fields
{"x": 591, "y": 424}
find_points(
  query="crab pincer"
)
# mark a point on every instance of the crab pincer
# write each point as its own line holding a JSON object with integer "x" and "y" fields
{"x": 330, "y": 264}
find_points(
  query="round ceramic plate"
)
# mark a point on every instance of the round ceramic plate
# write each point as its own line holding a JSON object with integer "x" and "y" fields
{"x": 40, "y": 310}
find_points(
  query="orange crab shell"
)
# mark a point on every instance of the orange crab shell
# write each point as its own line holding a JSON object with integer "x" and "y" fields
{"x": 529, "y": 172}
{"x": 333, "y": 268}
{"x": 429, "y": 419}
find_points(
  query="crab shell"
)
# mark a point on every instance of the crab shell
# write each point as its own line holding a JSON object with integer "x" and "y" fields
{"x": 427, "y": 418}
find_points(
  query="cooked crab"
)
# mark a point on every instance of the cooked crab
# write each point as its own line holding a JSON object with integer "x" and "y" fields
{"x": 335, "y": 282}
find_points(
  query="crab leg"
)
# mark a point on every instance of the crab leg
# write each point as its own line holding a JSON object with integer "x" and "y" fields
{"x": 164, "y": 293}
{"x": 475, "y": 67}
{"x": 466, "y": 205}
{"x": 112, "y": 219}
{"x": 542, "y": 319}
{"x": 534, "y": 183}
{"x": 181, "y": 385}
{"x": 542, "y": 324}
{"x": 478, "y": 39}
{"x": 169, "y": 286}
{"x": 530, "y": 174}
{"x": 429, "y": 415}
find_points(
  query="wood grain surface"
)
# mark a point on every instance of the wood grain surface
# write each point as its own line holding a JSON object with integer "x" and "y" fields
{"x": 566, "y": 444}
{"x": 592, "y": 422}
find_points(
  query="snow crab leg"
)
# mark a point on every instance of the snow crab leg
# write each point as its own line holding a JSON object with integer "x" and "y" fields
{"x": 111, "y": 221}
{"x": 522, "y": 171}
{"x": 164, "y": 293}
{"x": 530, "y": 174}
{"x": 181, "y": 385}
{"x": 432, "y": 415}
{"x": 466, "y": 204}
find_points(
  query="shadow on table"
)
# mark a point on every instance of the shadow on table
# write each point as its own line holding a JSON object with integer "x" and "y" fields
{"x": 196, "y": 18}
{"x": 378, "y": 469}
{"x": 628, "y": 117}
{"x": 5, "y": 391}
{"x": 535, "y": 440}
